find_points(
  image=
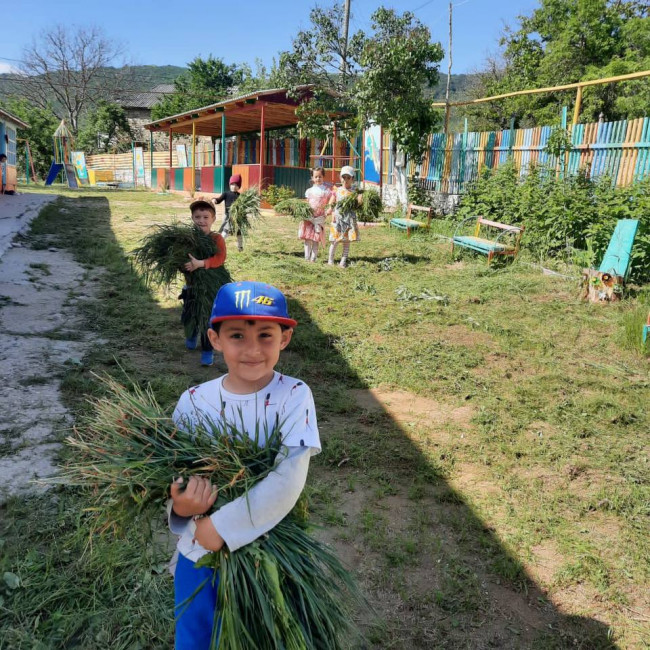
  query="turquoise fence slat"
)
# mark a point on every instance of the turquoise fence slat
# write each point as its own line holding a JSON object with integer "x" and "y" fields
{"x": 642, "y": 165}
{"x": 601, "y": 149}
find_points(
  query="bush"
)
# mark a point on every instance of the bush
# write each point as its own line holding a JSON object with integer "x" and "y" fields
{"x": 417, "y": 195}
{"x": 571, "y": 218}
{"x": 275, "y": 193}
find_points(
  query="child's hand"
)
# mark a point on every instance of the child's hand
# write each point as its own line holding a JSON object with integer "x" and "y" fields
{"x": 197, "y": 498}
{"x": 194, "y": 264}
{"x": 206, "y": 535}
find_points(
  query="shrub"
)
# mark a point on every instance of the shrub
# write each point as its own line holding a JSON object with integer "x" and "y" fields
{"x": 572, "y": 217}
{"x": 417, "y": 195}
{"x": 275, "y": 193}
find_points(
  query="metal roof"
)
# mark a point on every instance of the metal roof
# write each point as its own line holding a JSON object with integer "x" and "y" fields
{"x": 223, "y": 103}
{"x": 243, "y": 114}
{"x": 147, "y": 99}
{"x": 13, "y": 118}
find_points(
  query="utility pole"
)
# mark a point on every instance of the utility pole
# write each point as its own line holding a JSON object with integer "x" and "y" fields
{"x": 346, "y": 25}
{"x": 447, "y": 108}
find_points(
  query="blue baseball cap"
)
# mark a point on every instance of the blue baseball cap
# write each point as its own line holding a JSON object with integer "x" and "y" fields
{"x": 250, "y": 301}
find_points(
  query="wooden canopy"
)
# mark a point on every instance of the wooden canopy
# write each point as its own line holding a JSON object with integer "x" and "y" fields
{"x": 273, "y": 109}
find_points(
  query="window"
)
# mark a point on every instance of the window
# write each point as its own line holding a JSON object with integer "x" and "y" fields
{"x": 11, "y": 146}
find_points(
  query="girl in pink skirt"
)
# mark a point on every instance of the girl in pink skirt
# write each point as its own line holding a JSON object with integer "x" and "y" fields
{"x": 312, "y": 230}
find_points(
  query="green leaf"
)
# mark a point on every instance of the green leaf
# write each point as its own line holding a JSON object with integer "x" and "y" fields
{"x": 11, "y": 580}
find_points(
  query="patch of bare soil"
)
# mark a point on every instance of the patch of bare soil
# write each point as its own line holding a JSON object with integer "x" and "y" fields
{"x": 546, "y": 561}
{"x": 463, "y": 335}
{"x": 405, "y": 407}
{"x": 41, "y": 334}
{"x": 486, "y": 611}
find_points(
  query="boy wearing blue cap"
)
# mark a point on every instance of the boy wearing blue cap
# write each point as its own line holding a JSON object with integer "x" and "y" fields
{"x": 250, "y": 325}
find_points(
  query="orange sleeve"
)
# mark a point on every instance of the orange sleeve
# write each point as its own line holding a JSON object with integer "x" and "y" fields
{"x": 220, "y": 256}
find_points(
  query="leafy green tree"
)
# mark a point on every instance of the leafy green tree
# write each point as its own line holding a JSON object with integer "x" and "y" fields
{"x": 42, "y": 124}
{"x": 383, "y": 77}
{"x": 562, "y": 42}
{"x": 105, "y": 129}
{"x": 206, "y": 82}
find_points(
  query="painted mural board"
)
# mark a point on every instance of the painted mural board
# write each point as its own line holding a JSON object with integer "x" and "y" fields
{"x": 181, "y": 154}
{"x": 79, "y": 162}
{"x": 372, "y": 155}
{"x": 138, "y": 165}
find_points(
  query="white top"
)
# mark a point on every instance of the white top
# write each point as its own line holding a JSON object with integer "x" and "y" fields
{"x": 248, "y": 517}
{"x": 318, "y": 197}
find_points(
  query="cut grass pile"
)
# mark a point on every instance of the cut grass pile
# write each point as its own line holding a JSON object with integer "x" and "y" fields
{"x": 484, "y": 467}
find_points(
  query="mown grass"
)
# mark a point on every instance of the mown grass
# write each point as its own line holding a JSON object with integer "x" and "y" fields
{"x": 500, "y": 499}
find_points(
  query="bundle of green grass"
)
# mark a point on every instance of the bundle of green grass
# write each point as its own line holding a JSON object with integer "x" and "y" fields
{"x": 162, "y": 256}
{"x": 245, "y": 211}
{"x": 369, "y": 208}
{"x": 296, "y": 208}
{"x": 285, "y": 590}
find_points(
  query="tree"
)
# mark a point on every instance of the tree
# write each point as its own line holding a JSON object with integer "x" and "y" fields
{"x": 42, "y": 124}
{"x": 106, "y": 128}
{"x": 206, "y": 82}
{"x": 399, "y": 65}
{"x": 381, "y": 78}
{"x": 62, "y": 69}
{"x": 565, "y": 41}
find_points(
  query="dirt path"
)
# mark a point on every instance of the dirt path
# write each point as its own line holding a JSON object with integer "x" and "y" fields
{"x": 40, "y": 333}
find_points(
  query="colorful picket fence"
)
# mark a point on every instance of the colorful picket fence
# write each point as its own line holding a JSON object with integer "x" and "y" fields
{"x": 618, "y": 150}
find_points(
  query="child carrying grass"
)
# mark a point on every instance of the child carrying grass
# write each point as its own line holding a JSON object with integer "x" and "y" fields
{"x": 228, "y": 198}
{"x": 250, "y": 325}
{"x": 203, "y": 217}
{"x": 312, "y": 230}
{"x": 344, "y": 228}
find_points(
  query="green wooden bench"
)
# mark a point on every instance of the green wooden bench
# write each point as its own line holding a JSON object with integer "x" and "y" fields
{"x": 408, "y": 223}
{"x": 505, "y": 243}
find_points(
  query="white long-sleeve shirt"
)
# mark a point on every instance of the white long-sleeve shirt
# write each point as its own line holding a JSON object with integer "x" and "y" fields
{"x": 285, "y": 400}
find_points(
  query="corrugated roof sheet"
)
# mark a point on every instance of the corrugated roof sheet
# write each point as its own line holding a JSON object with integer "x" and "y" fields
{"x": 225, "y": 102}
{"x": 147, "y": 99}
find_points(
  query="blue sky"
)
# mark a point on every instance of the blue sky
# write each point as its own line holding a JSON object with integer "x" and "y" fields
{"x": 165, "y": 32}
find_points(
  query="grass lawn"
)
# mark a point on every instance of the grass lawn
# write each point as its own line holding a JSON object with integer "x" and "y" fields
{"x": 485, "y": 436}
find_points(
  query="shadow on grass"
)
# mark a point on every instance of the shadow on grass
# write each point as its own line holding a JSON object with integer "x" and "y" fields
{"x": 436, "y": 574}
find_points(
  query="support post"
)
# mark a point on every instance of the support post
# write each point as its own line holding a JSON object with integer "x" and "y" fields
{"x": 262, "y": 148}
{"x": 381, "y": 161}
{"x": 563, "y": 160}
{"x": 447, "y": 107}
{"x": 150, "y": 161}
{"x": 334, "y": 148}
{"x": 578, "y": 106}
{"x": 171, "y": 181}
{"x": 135, "y": 175}
{"x": 223, "y": 152}
{"x": 193, "y": 159}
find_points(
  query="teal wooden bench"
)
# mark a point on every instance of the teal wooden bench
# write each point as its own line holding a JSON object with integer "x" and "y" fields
{"x": 408, "y": 223}
{"x": 505, "y": 243}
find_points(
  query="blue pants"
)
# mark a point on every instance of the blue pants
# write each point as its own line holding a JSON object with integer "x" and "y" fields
{"x": 195, "y": 612}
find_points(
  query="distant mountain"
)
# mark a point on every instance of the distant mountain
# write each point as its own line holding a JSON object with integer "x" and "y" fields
{"x": 128, "y": 82}
{"x": 125, "y": 80}
{"x": 458, "y": 88}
